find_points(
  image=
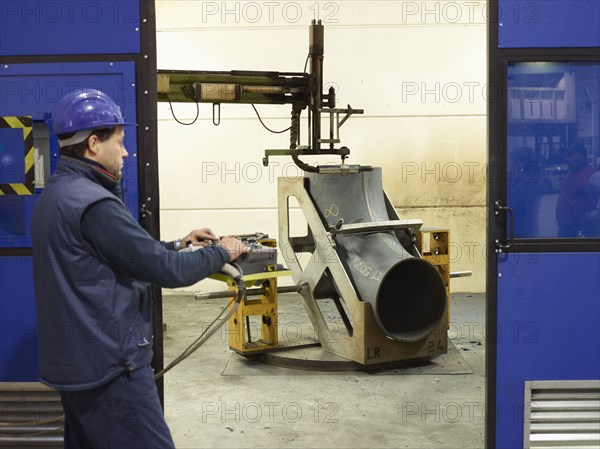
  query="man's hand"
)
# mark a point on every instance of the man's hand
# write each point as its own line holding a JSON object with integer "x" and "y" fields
{"x": 234, "y": 247}
{"x": 199, "y": 237}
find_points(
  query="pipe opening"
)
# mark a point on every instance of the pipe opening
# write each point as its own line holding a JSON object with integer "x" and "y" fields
{"x": 411, "y": 300}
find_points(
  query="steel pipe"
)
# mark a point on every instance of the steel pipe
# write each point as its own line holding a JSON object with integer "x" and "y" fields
{"x": 407, "y": 293}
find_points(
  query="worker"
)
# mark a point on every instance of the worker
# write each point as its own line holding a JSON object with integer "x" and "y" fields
{"x": 577, "y": 208}
{"x": 93, "y": 270}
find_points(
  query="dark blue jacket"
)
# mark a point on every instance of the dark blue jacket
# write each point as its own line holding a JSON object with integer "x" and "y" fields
{"x": 93, "y": 269}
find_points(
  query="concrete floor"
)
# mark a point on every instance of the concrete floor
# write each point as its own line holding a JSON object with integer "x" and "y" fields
{"x": 218, "y": 399}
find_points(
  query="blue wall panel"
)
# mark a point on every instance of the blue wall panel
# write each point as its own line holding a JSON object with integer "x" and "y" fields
{"x": 96, "y": 30}
{"x": 11, "y": 155}
{"x": 548, "y": 23}
{"x": 15, "y": 220}
{"x": 59, "y": 28}
{"x": 18, "y": 333}
{"x": 548, "y": 315}
{"x": 34, "y": 89}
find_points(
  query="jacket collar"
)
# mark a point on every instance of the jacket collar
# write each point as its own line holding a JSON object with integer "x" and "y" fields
{"x": 91, "y": 170}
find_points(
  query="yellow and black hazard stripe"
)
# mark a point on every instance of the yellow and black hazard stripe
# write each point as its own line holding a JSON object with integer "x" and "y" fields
{"x": 28, "y": 185}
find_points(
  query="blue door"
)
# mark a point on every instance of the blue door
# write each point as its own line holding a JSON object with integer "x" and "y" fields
{"x": 45, "y": 54}
{"x": 544, "y": 215}
{"x": 31, "y": 90}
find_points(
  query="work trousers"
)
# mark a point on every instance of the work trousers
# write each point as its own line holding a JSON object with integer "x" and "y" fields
{"x": 123, "y": 414}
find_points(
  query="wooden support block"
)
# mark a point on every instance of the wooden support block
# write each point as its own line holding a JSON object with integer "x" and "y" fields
{"x": 434, "y": 246}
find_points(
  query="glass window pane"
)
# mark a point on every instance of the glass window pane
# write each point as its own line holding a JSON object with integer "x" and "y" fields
{"x": 554, "y": 149}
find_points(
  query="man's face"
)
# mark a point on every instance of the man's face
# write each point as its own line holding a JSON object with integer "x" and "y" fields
{"x": 112, "y": 151}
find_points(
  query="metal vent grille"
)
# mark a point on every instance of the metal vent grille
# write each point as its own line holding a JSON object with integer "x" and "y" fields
{"x": 562, "y": 414}
{"x": 30, "y": 416}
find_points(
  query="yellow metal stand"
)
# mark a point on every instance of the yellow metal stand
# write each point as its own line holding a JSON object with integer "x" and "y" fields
{"x": 265, "y": 307}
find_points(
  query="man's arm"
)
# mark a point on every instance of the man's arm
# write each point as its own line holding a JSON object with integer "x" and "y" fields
{"x": 118, "y": 239}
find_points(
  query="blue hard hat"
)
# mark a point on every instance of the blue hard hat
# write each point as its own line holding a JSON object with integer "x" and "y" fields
{"x": 86, "y": 109}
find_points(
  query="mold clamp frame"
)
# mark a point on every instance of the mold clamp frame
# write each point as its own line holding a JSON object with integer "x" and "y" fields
{"x": 363, "y": 342}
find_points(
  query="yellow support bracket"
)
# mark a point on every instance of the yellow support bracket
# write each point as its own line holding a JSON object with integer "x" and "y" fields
{"x": 241, "y": 339}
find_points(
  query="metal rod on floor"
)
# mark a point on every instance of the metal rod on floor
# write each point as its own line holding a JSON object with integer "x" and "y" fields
{"x": 460, "y": 274}
{"x": 251, "y": 292}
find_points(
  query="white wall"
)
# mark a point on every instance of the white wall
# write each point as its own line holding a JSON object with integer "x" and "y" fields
{"x": 417, "y": 68}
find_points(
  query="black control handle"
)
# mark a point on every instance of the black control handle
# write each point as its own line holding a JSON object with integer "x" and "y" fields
{"x": 499, "y": 208}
